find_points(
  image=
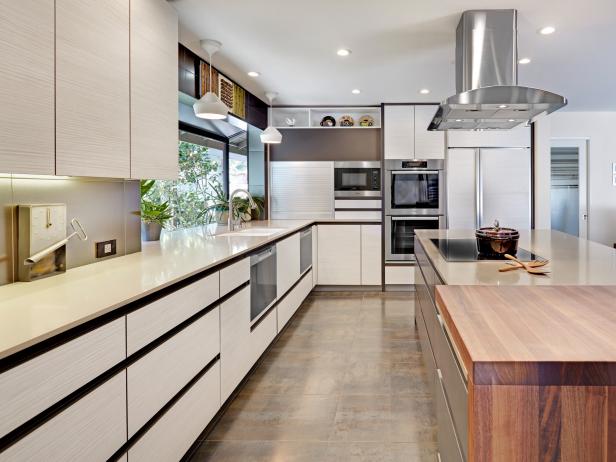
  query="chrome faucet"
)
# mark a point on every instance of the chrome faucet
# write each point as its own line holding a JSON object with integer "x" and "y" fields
{"x": 251, "y": 201}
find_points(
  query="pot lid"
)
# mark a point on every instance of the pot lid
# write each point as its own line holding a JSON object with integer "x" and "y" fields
{"x": 496, "y": 232}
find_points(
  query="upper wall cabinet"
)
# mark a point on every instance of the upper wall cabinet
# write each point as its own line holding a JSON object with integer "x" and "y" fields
{"x": 92, "y": 88}
{"x": 27, "y": 87}
{"x": 154, "y": 89}
{"x": 406, "y": 133}
{"x": 399, "y": 132}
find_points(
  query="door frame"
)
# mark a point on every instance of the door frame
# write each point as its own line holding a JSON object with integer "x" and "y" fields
{"x": 583, "y": 145}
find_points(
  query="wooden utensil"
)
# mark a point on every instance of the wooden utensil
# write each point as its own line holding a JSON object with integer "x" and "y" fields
{"x": 511, "y": 266}
{"x": 528, "y": 268}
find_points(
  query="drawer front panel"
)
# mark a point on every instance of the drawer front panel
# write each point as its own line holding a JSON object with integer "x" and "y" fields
{"x": 262, "y": 336}
{"x": 424, "y": 340}
{"x": 448, "y": 447}
{"x": 234, "y": 276}
{"x": 158, "y": 376}
{"x": 399, "y": 275}
{"x": 288, "y": 263}
{"x": 453, "y": 384}
{"x": 175, "y": 432}
{"x": 92, "y": 429}
{"x": 33, "y": 386}
{"x": 235, "y": 357}
{"x": 150, "y": 322}
{"x": 358, "y": 204}
{"x": 289, "y": 305}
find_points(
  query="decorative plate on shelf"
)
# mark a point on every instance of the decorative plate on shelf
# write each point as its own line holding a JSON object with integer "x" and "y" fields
{"x": 328, "y": 121}
{"x": 346, "y": 121}
{"x": 366, "y": 121}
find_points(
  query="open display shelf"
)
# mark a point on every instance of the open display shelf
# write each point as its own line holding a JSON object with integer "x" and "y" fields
{"x": 310, "y": 117}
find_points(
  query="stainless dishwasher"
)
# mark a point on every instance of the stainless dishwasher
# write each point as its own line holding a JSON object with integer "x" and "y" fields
{"x": 262, "y": 281}
{"x": 305, "y": 253}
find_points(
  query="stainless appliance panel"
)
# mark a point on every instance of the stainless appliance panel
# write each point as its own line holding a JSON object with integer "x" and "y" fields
{"x": 262, "y": 281}
{"x": 400, "y": 234}
{"x": 305, "y": 250}
{"x": 357, "y": 179}
{"x": 414, "y": 187}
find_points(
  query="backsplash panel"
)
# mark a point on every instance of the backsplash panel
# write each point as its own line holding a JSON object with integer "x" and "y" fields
{"x": 105, "y": 207}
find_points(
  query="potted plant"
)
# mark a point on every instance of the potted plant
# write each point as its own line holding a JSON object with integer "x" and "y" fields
{"x": 241, "y": 206}
{"x": 153, "y": 215}
{"x": 218, "y": 208}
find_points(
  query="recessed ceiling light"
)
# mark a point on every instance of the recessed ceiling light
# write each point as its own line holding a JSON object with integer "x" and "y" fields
{"x": 524, "y": 61}
{"x": 511, "y": 120}
{"x": 343, "y": 52}
{"x": 356, "y": 91}
{"x": 502, "y": 106}
{"x": 458, "y": 120}
{"x": 424, "y": 91}
{"x": 253, "y": 74}
{"x": 547, "y": 30}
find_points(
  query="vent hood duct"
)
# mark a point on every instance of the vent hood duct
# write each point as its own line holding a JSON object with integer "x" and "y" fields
{"x": 488, "y": 96}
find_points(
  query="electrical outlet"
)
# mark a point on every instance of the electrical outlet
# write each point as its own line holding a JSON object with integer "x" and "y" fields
{"x": 105, "y": 248}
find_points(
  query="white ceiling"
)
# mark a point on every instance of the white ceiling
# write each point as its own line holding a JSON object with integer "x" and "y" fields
{"x": 399, "y": 47}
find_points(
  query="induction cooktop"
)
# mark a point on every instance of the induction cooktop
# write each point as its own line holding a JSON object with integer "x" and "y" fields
{"x": 466, "y": 250}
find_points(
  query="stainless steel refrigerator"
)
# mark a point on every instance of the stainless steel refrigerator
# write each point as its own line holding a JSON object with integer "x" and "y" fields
{"x": 486, "y": 184}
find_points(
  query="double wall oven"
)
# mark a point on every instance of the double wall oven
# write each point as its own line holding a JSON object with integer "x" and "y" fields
{"x": 414, "y": 199}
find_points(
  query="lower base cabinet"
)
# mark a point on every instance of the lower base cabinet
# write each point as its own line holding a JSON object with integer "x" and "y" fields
{"x": 289, "y": 305}
{"x": 178, "y": 429}
{"x": 448, "y": 444}
{"x": 91, "y": 429}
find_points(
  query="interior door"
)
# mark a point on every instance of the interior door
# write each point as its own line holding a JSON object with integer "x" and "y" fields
{"x": 461, "y": 188}
{"x": 505, "y": 187}
{"x": 568, "y": 186}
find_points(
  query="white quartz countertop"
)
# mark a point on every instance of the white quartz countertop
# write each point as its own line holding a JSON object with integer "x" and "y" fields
{"x": 34, "y": 311}
{"x": 573, "y": 261}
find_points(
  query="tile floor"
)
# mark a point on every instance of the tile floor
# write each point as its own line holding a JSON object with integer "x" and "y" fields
{"x": 344, "y": 382}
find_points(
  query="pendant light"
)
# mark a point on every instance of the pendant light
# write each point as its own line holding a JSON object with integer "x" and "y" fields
{"x": 210, "y": 106}
{"x": 271, "y": 135}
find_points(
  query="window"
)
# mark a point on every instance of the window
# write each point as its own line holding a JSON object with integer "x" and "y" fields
{"x": 194, "y": 195}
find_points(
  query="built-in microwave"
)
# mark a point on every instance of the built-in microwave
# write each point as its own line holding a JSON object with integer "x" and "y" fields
{"x": 357, "y": 179}
{"x": 414, "y": 187}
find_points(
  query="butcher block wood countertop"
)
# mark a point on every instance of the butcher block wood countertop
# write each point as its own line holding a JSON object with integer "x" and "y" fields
{"x": 533, "y": 335}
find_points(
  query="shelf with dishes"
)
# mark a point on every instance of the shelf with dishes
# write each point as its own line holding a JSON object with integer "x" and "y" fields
{"x": 326, "y": 117}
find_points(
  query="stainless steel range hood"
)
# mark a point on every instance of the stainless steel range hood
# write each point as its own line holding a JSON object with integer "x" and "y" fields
{"x": 488, "y": 96}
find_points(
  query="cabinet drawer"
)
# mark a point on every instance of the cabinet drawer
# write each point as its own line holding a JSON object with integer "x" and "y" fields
{"x": 92, "y": 429}
{"x": 235, "y": 355}
{"x": 399, "y": 275}
{"x": 261, "y": 336}
{"x": 289, "y": 305}
{"x": 288, "y": 263}
{"x": 172, "y": 435}
{"x": 33, "y": 386}
{"x": 158, "y": 376}
{"x": 453, "y": 383}
{"x": 150, "y": 322}
{"x": 448, "y": 445}
{"x": 424, "y": 340}
{"x": 358, "y": 204}
{"x": 234, "y": 275}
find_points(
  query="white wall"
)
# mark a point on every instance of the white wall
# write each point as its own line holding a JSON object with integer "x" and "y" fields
{"x": 600, "y": 129}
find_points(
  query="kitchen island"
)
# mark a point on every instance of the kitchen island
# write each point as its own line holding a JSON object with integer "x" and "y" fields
{"x": 523, "y": 371}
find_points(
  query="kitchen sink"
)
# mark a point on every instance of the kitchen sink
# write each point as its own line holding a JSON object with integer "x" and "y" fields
{"x": 254, "y": 232}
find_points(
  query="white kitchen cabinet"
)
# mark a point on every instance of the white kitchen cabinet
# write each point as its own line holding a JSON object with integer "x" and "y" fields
{"x": 399, "y": 131}
{"x": 261, "y": 335}
{"x": 92, "y": 88}
{"x": 234, "y": 275}
{"x": 400, "y": 275}
{"x": 235, "y": 357}
{"x": 289, "y": 305}
{"x": 516, "y": 137}
{"x": 92, "y": 428}
{"x": 371, "y": 263}
{"x": 27, "y": 87}
{"x": 339, "y": 254}
{"x": 172, "y": 435}
{"x": 428, "y": 144}
{"x": 461, "y": 189}
{"x": 153, "y": 89}
{"x": 153, "y": 320}
{"x": 37, "y": 384}
{"x": 287, "y": 264}
{"x": 154, "y": 379}
{"x": 315, "y": 255}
